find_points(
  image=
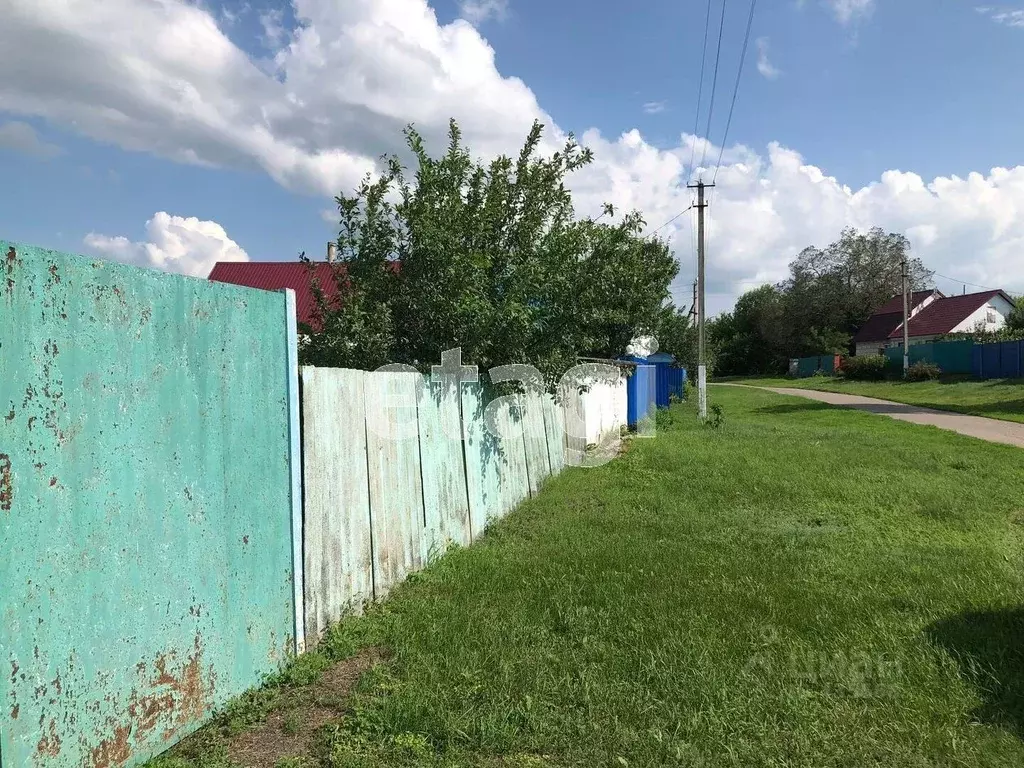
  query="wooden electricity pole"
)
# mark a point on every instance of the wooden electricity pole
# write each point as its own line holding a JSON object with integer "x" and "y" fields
{"x": 906, "y": 320}
{"x": 702, "y": 371}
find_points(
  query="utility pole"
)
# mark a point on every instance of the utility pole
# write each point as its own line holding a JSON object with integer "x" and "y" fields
{"x": 906, "y": 320}
{"x": 702, "y": 370}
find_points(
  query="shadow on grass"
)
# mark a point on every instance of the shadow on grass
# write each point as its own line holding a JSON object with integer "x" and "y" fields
{"x": 795, "y": 408}
{"x": 989, "y": 647}
{"x": 882, "y": 408}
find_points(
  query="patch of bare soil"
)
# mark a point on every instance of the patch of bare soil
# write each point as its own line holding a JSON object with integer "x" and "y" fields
{"x": 290, "y": 731}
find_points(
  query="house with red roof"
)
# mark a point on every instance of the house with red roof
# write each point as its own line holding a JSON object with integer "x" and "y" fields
{"x": 275, "y": 275}
{"x": 932, "y": 314}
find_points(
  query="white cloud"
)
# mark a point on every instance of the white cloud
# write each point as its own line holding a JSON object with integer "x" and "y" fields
{"x": 769, "y": 205}
{"x": 1010, "y": 17}
{"x": 161, "y": 77}
{"x": 175, "y": 244}
{"x": 22, "y": 137}
{"x": 764, "y": 66}
{"x": 654, "y": 107}
{"x": 274, "y": 33}
{"x": 847, "y": 11}
{"x": 478, "y": 11}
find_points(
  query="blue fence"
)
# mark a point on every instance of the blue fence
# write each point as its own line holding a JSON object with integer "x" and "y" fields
{"x": 652, "y": 385}
{"x": 999, "y": 360}
{"x": 671, "y": 382}
{"x": 641, "y": 393}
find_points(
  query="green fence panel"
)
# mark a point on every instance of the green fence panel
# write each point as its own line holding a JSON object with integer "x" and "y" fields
{"x": 146, "y": 556}
{"x": 807, "y": 366}
{"x": 953, "y": 356}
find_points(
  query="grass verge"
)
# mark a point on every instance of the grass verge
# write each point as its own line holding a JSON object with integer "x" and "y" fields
{"x": 995, "y": 398}
{"x": 803, "y": 586}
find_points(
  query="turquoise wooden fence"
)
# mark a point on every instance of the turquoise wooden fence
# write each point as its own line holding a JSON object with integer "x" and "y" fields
{"x": 379, "y": 505}
{"x": 146, "y": 504}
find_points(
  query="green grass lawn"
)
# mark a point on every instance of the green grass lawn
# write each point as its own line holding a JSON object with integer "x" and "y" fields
{"x": 804, "y": 586}
{"x": 997, "y": 398}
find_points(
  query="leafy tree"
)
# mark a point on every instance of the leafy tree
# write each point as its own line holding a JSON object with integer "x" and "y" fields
{"x": 828, "y": 296}
{"x": 831, "y": 292}
{"x": 749, "y": 339}
{"x": 489, "y": 258}
{"x": 1015, "y": 320}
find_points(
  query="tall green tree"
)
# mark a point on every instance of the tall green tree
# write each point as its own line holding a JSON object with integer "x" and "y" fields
{"x": 1015, "y": 320}
{"x": 831, "y": 292}
{"x": 490, "y": 258}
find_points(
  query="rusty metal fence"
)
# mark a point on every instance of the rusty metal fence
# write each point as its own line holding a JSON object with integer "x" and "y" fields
{"x": 148, "y": 488}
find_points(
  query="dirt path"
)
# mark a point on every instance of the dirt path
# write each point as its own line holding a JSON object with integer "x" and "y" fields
{"x": 993, "y": 430}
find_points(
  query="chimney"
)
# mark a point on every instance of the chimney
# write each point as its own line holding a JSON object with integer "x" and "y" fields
{"x": 332, "y": 252}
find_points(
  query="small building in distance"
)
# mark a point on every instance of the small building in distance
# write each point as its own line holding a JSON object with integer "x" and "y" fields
{"x": 932, "y": 314}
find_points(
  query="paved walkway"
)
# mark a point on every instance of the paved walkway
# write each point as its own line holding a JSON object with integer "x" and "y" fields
{"x": 993, "y": 430}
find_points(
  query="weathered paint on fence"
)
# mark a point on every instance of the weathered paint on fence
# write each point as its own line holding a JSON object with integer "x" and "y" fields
{"x": 482, "y": 460}
{"x": 538, "y": 464}
{"x": 506, "y": 418}
{"x": 336, "y": 528}
{"x": 554, "y": 430}
{"x": 574, "y": 424}
{"x": 396, "y": 488}
{"x": 295, "y": 467}
{"x": 445, "y": 498}
{"x": 145, "y": 528}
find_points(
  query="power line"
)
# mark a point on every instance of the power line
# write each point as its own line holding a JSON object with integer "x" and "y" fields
{"x": 736, "y": 89}
{"x": 658, "y": 229}
{"x": 714, "y": 85}
{"x": 966, "y": 282}
{"x": 700, "y": 88}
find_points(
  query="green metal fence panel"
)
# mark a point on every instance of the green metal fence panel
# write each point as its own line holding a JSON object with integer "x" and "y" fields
{"x": 336, "y": 524}
{"x": 445, "y": 500}
{"x": 396, "y": 488}
{"x": 807, "y": 366}
{"x": 953, "y": 356}
{"x": 145, "y": 519}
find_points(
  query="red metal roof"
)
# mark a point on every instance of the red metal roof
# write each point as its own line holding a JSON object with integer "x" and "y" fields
{"x": 945, "y": 314}
{"x": 275, "y": 275}
{"x": 895, "y": 304}
{"x": 888, "y": 317}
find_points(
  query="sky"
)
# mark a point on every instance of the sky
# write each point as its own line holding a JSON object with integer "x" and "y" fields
{"x": 176, "y": 133}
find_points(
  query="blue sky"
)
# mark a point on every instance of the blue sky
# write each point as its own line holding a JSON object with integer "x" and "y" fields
{"x": 97, "y": 140}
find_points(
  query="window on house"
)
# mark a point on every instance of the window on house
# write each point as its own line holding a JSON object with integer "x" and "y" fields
{"x": 991, "y": 317}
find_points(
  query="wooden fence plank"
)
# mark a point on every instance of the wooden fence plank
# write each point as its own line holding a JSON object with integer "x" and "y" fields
{"x": 537, "y": 461}
{"x": 396, "y": 490}
{"x": 445, "y": 500}
{"x": 336, "y": 527}
{"x": 513, "y": 474}
{"x": 482, "y": 462}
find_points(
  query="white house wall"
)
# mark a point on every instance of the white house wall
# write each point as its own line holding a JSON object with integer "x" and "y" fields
{"x": 979, "y": 319}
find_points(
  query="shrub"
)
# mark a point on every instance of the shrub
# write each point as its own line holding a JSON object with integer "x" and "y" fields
{"x": 923, "y": 371}
{"x": 716, "y": 417}
{"x": 866, "y": 367}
